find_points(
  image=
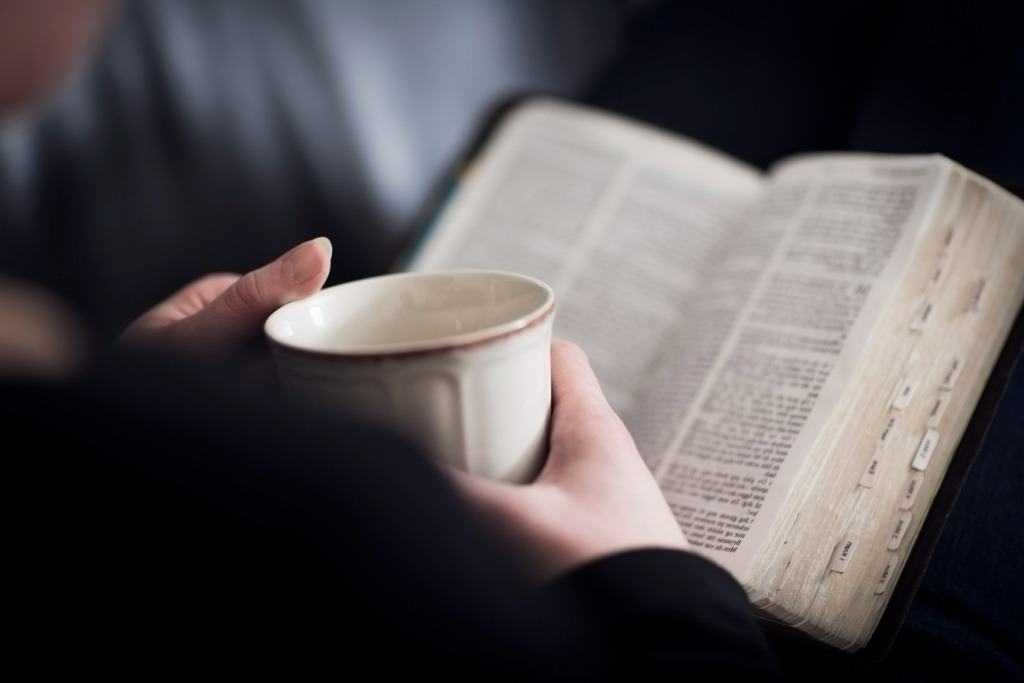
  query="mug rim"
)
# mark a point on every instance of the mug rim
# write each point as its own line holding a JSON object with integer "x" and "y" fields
{"x": 463, "y": 340}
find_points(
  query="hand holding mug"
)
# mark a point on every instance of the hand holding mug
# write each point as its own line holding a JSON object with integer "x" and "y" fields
{"x": 221, "y": 311}
{"x": 595, "y": 495}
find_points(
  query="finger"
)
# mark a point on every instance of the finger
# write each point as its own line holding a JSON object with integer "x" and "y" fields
{"x": 239, "y": 310}
{"x": 187, "y": 301}
{"x": 572, "y": 379}
{"x": 584, "y": 425}
{"x": 151, "y": 326}
{"x": 203, "y": 292}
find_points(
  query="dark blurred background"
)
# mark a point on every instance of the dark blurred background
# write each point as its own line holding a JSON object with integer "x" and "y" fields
{"x": 210, "y": 135}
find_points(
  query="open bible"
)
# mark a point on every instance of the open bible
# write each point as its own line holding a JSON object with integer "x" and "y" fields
{"x": 797, "y": 354}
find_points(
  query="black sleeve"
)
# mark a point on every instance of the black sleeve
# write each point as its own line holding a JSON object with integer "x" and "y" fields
{"x": 161, "y": 519}
{"x": 668, "y": 611}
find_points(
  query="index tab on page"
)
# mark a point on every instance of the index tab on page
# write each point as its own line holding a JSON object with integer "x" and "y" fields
{"x": 890, "y": 569}
{"x": 939, "y": 404}
{"x": 951, "y": 372}
{"x": 904, "y": 392}
{"x": 902, "y": 523}
{"x": 948, "y": 239}
{"x": 977, "y": 291}
{"x": 924, "y": 314}
{"x": 887, "y": 431}
{"x": 842, "y": 553}
{"x": 941, "y": 268}
{"x": 925, "y": 450}
{"x": 910, "y": 490}
{"x": 867, "y": 479}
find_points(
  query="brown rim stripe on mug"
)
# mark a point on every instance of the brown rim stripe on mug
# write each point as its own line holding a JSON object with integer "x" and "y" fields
{"x": 377, "y": 357}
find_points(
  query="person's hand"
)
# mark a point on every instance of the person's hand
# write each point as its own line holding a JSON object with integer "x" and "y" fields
{"x": 39, "y": 335}
{"x": 220, "y": 312}
{"x": 595, "y": 495}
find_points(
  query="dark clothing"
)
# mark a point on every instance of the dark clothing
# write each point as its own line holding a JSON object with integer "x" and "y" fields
{"x": 214, "y": 134}
{"x": 163, "y": 518}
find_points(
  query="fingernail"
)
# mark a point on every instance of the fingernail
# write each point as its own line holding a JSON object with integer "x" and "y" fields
{"x": 324, "y": 245}
{"x": 307, "y": 260}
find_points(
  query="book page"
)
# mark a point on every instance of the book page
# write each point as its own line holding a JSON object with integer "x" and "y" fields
{"x": 842, "y": 229}
{"x": 625, "y": 222}
{"x": 838, "y": 549}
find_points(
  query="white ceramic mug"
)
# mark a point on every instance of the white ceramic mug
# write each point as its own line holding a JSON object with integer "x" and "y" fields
{"x": 458, "y": 360}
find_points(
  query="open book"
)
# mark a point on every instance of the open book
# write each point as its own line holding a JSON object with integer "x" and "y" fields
{"x": 797, "y": 354}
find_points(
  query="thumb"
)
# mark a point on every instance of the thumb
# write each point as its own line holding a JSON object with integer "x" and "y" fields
{"x": 586, "y": 432}
{"x": 239, "y": 311}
